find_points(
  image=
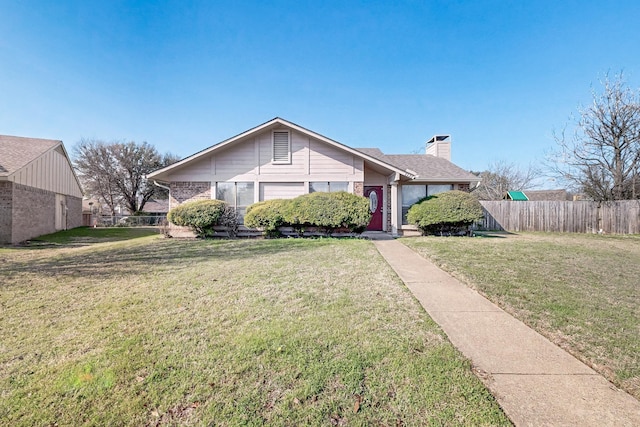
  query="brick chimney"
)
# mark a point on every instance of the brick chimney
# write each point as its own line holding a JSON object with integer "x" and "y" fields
{"x": 440, "y": 146}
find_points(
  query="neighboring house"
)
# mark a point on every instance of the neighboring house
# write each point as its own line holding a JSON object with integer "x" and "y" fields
{"x": 39, "y": 191}
{"x": 548, "y": 195}
{"x": 538, "y": 195}
{"x": 279, "y": 159}
{"x": 91, "y": 209}
{"x": 156, "y": 207}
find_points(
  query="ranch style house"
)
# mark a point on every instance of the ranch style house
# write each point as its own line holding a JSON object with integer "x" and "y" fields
{"x": 280, "y": 159}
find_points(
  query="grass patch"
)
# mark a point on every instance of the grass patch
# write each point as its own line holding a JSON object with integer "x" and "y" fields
{"x": 581, "y": 291}
{"x": 93, "y": 235}
{"x": 155, "y": 331}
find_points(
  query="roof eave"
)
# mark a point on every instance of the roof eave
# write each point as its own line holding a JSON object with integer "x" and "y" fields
{"x": 455, "y": 180}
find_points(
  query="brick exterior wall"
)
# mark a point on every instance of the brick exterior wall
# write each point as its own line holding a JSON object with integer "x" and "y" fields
{"x": 34, "y": 213}
{"x": 358, "y": 188}
{"x": 6, "y": 218}
{"x": 74, "y": 212}
{"x": 189, "y": 191}
{"x": 27, "y": 212}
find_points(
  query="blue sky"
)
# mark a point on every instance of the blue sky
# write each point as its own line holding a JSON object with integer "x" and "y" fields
{"x": 499, "y": 76}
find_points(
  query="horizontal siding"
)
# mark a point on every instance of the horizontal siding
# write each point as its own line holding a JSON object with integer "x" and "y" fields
{"x": 52, "y": 172}
{"x": 240, "y": 160}
{"x": 281, "y": 190}
{"x": 299, "y": 149}
{"x": 374, "y": 178}
{"x": 199, "y": 170}
{"x": 325, "y": 159}
{"x": 250, "y": 160}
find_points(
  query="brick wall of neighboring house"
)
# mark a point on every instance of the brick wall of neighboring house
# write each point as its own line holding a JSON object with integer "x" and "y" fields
{"x": 74, "y": 212}
{"x": 27, "y": 212}
{"x": 6, "y": 202}
{"x": 33, "y": 212}
{"x": 358, "y": 188}
{"x": 188, "y": 191}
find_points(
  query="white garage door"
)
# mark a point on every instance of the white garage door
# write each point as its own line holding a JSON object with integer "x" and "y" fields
{"x": 281, "y": 190}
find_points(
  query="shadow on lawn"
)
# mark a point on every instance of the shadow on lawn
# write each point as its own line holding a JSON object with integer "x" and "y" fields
{"x": 160, "y": 254}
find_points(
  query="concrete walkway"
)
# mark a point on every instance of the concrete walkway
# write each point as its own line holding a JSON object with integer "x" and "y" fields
{"x": 535, "y": 382}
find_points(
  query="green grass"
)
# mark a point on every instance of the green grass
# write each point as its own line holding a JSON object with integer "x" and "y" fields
{"x": 92, "y": 235}
{"x": 581, "y": 291}
{"x": 153, "y": 331}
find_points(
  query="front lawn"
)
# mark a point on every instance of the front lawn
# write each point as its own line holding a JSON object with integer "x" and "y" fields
{"x": 153, "y": 331}
{"x": 581, "y": 291}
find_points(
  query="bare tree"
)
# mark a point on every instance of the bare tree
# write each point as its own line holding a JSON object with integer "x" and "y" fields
{"x": 602, "y": 156}
{"x": 501, "y": 177}
{"x": 115, "y": 171}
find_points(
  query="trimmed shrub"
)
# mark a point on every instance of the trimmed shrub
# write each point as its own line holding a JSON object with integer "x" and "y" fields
{"x": 201, "y": 216}
{"x": 355, "y": 211}
{"x": 267, "y": 216}
{"x": 445, "y": 213}
{"x": 328, "y": 211}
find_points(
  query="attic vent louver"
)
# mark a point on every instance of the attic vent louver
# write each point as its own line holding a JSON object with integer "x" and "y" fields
{"x": 281, "y": 147}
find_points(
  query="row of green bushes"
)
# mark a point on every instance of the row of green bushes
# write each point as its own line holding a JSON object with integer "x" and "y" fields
{"x": 327, "y": 211}
{"x": 446, "y": 213}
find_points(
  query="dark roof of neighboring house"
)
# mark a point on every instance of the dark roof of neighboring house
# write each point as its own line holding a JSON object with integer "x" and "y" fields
{"x": 16, "y": 152}
{"x": 551, "y": 195}
{"x": 156, "y": 206}
{"x": 425, "y": 166}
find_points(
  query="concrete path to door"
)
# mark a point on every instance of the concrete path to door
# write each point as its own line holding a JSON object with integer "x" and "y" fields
{"x": 535, "y": 382}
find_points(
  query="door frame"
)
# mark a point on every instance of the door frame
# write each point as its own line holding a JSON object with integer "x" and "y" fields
{"x": 379, "y": 190}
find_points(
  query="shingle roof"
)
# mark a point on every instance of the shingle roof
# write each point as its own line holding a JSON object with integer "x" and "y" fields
{"x": 542, "y": 195}
{"x": 426, "y": 166}
{"x": 16, "y": 152}
{"x": 157, "y": 206}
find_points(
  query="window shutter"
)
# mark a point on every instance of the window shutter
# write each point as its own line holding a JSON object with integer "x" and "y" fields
{"x": 281, "y": 147}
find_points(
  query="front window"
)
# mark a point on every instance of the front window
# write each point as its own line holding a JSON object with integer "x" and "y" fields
{"x": 237, "y": 194}
{"x": 410, "y": 195}
{"x": 437, "y": 189}
{"x": 413, "y": 193}
{"x": 328, "y": 187}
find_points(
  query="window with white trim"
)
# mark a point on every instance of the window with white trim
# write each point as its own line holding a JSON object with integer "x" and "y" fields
{"x": 237, "y": 194}
{"x": 413, "y": 193}
{"x": 328, "y": 187}
{"x": 281, "y": 153}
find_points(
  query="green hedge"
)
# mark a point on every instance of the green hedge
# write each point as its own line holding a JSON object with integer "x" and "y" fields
{"x": 202, "y": 216}
{"x": 328, "y": 211}
{"x": 267, "y": 216}
{"x": 445, "y": 213}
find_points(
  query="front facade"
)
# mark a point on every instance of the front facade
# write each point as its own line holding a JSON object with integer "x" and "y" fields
{"x": 279, "y": 160}
{"x": 39, "y": 191}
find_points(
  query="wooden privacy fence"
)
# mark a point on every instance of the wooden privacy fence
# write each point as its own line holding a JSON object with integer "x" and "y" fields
{"x": 620, "y": 217}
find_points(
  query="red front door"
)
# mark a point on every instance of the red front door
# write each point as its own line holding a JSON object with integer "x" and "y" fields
{"x": 374, "y": 194}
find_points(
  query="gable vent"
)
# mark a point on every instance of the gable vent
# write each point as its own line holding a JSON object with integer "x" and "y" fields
{"x": 281, "y": 147}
